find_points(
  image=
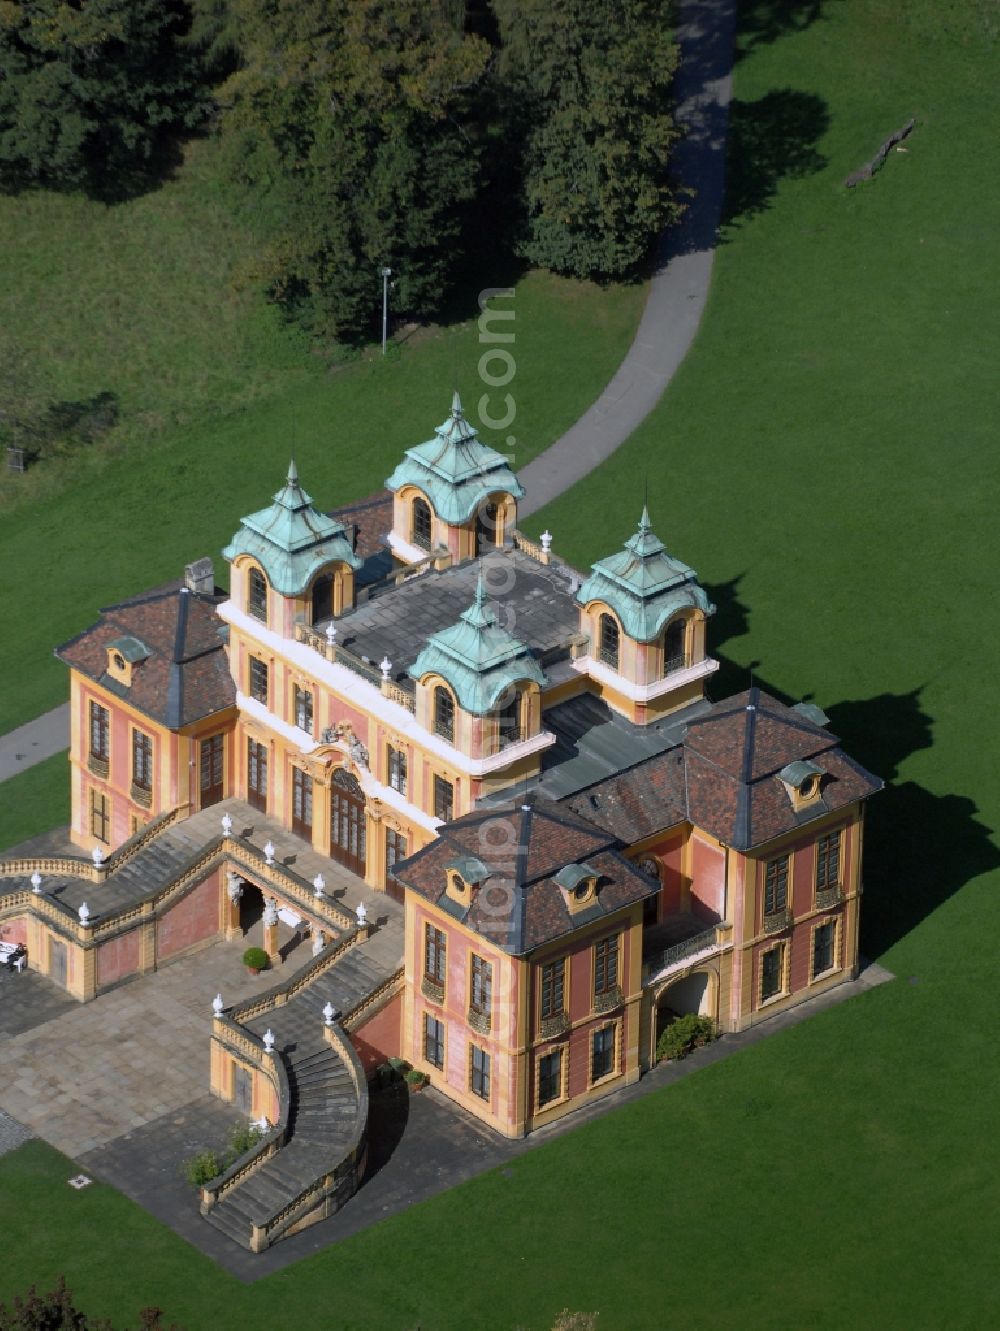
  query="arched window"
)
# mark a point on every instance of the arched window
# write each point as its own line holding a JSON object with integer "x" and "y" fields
{"x": 444, "y": 714}
{"x": 322, "y": 598}
{"x": 508, "y": 721}
{"x": 422, "y": 523}
{"x": 674, "y": 654}
{"x": 257, "y": 595}
{"x": 608, "y": 651}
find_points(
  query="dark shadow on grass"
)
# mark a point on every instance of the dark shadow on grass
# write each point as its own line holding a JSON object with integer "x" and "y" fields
{"x": 761, "y": 22}
{"x": 731, "y": 618}
{"x": 771, "y": 139}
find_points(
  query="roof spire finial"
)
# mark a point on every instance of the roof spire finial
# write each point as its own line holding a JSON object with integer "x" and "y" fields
{"x": 456, "y": 405}
{"x": 293, "y": 475}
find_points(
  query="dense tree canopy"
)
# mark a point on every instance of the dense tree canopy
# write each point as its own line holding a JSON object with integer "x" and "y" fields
{"x": 87, "y": 88}
{"x": 412, "y": 134}
{"x": 353, "y": 123}
{"x": 592, "y": 83}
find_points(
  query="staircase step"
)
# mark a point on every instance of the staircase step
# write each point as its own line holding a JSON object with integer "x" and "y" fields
{"x": 227, "y": 1224}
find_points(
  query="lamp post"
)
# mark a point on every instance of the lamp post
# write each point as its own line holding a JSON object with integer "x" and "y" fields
{"x": 386, "y": 274}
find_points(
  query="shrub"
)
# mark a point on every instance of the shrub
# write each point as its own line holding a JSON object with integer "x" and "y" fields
{"x": 684, "y": 1034}
{"x": 203, "y": 1167}
{"x": 415, "y": 1078}
{"x": 244, "y": 1135}
{"x": 255, "y": 958}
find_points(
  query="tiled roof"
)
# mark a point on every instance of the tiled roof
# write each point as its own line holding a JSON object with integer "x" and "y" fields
{"x": 520, "y": 906}
{"x": 186, "y": 675}
{"x": 724, "y": 776}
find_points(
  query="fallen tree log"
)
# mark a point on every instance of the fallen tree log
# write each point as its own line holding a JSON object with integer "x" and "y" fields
{"x": 868, "y": 170}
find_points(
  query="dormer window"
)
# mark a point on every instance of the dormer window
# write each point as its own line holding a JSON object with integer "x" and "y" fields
{"x": 674, "y": 647}
{"x": 579, "y": 885}
{"x": 444, "y": 714}
{"x": 421, "y": 517}
{"x": 124, "y": 654}
{"x": 803, "y": 780}
{"x": 608, "y": 650}
{"x": 257, "y": 595}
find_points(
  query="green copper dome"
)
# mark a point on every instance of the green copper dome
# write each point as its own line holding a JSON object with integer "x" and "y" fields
{"x": 478, "y": 658}
{"x": 291, "y": 541}
{"x": 644, "y": 585}
{"x": 455, "y": 470}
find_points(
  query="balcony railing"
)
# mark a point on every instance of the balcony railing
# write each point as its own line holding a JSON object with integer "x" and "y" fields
{"x": 432, "y": 989}
{"x": 97, "y": 764}
{"x": 556, "y": 1024}
{"x": 479, "y": 1020}
{"x": 611, "y": 998}
{"x": 829, "y": 896}
{"x": 777, "y": 921}
{"x": 689, "y": 947}
{"x": 141, "y": 795}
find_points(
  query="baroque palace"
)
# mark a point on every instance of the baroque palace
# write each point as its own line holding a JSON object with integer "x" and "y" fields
{"x": 488, "y": 792}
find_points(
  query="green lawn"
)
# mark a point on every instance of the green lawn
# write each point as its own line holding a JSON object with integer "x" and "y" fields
{"x": 34, "y": 801}
{"x": 826, "y": 459}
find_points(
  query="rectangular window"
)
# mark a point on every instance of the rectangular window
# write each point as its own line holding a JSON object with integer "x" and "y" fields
{"x": 444, "y": 799}
{"x": 258, "y": 679}
{"x": 776, "y": 885}
{"x": 824, "y": 939}
{"x": 828, "y": 861}
{"x": 606, "y": 965}
{"x": 302, "y": 803}
{"x": 435, "y": 954}
{"x": 549, "y": 1078}
{"x": 303, "y": 709}
{"x": 257, "y": 595}
{"x": 771, "y": 971}
{"x": 142, "y": 760}
{"x": 433, "y": 1041}
{"x": 482, "y": 984}
{"x": 257, "y": 775}
{"x": 553, "y": 977}
{"x": 100, "y": 816}
{"x": 100, "y": 726}
{"x": 395, "y": 850}
{"x": 479, "y": 1076}
{"x": 602, "y": 1053}
{"x": 397, "y": 769}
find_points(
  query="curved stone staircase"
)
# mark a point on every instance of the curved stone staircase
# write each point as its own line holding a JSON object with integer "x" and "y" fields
{"x": 316, "y": 1162}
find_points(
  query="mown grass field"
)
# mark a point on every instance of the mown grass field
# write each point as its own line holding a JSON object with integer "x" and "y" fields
{"x": 826, "y": 459}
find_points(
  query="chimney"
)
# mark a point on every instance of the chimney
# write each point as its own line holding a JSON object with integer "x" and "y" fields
{"x": 200, "y": 577}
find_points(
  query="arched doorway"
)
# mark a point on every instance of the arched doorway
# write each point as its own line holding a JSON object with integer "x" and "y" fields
{"x": 695, "y": 992}
{"x": 487, "y": 527}
{"x": 251, "y": 906}
{"x": 347, "y": 822}
{"x": 322, "y": 598}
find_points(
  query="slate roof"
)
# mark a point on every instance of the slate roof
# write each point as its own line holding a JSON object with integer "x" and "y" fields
{"x": 186, "y": 674}
{"x": 520, "y": 906}
{"x": 478, "y": 657}
{"x": 535, "y": 602}
{"x": 724, "y": 775}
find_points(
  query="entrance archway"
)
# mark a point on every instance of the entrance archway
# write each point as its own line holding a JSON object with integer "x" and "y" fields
{"x": 347, "y": 822}
{"x": 694, "y": 992}
{"x": 251, "y": 907}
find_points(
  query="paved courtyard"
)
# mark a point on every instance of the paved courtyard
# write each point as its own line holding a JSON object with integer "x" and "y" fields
{"x": 81, "y": 1075}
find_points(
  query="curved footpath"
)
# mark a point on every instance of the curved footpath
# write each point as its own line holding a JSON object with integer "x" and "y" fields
{"x": 677, "y": 295}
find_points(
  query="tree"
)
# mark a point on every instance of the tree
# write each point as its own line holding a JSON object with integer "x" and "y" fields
{"x": 89, "y": 87}
{"x": 592, "y": 80}
{"x": 55, "y": 1312}
{"x": 353, "y": 125}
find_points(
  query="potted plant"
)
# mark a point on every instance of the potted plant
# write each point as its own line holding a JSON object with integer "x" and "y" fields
{"x": 416, "y": 1080}
{"x": 255, "y": 959}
